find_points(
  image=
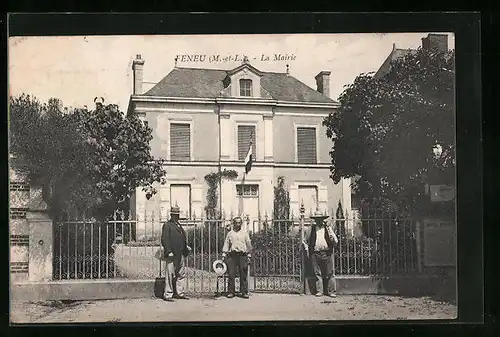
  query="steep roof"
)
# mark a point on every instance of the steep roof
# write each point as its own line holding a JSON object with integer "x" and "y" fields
{"x": 395, "y": 54}
{"x": 208, "y": 83}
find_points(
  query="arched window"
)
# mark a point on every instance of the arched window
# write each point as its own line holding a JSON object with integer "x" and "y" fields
{"x": 246, "y": 87}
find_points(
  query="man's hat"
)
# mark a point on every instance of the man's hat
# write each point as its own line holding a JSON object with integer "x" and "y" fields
{"x": 219, "y": 267}
{"x": 318, "y": 216}
{"x": 175, "y": 210}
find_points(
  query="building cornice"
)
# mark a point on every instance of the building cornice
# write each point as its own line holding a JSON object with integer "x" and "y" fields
{"x": 231, "y": 100}
{"x": 333, "y": 105}
{"x": 246, "y": 101}
{"x": 225, "y": 163}
{"x": 160, "y": 99}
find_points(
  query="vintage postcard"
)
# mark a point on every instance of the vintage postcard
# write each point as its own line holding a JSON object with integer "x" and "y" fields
{"x": 183, "y": 178}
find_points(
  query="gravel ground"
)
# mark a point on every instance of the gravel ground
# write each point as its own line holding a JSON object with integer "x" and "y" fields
{"x": 260, "y": 307}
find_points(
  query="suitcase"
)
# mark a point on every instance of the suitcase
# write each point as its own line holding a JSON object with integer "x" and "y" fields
{"x": 159, "y": 287}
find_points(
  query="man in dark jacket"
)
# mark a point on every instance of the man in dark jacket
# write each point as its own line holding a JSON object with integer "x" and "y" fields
{"x": 319, "y": 244}
{"x": 174, "y": 242}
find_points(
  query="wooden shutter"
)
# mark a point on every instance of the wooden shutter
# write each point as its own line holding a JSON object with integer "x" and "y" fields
{"x": 180, "y": 142}
{"x": 245, "y": 132}
{"x": 306, "y": 145}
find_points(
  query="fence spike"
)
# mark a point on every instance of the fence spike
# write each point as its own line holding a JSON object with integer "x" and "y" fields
{"x": 194, "y": 215}
{"x": 114, "y": 215}
{"x": 129, "y": 216}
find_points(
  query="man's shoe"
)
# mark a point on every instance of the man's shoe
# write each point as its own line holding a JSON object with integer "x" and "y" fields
{"x": 230, "y": 295}
{"x": 182, "y": 297}
{"x": 332, "y": 295}
{"x": 245, "y": 296}
{"x": 167, "y": 299}
{"x": 318, "y": 294}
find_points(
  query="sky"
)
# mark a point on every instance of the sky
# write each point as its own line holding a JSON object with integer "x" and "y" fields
{"x": 76, "y": 69}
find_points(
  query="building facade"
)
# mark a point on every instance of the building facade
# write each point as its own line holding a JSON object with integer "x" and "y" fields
{"x": 203, "y": 121}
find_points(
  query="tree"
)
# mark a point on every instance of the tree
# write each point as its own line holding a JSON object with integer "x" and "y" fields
{"x": 46, "y": 143}
{"x": 385, "y": 129}
{"x": 213, "y": 179}
{"x": 340, "y": 222}
{"x": 121, "y": 157}
{"x": 281, "y": 200}
{"x": 281, "y": 209}
{"x": 87, "y": 161}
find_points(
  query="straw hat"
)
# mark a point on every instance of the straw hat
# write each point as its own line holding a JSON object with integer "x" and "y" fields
{"x": 318, "y": 216}
{"x": 175, "y": 210}
{"x": 219, "y": 267}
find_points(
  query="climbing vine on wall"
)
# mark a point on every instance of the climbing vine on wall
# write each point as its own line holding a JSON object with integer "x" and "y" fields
{"x": 212, "y": 180}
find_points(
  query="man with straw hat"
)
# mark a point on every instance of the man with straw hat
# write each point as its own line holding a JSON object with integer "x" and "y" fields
{"x": 319, "y": 243}
{"x": 174, "y": 242}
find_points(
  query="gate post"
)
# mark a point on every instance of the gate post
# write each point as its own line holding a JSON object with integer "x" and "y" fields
{"x": 40, "y": 238}
{"x": 302, "y": 255}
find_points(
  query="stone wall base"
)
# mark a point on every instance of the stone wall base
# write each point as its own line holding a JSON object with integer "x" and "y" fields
{"x": 423, "y": 285}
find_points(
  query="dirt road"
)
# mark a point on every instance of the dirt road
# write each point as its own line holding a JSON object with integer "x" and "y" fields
{"x": 260, "y": 307}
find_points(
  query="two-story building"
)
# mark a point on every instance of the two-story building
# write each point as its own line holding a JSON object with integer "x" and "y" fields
{"x": 203, "y": 121}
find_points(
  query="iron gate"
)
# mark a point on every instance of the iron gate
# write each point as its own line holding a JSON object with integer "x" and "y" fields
{"x": 128, "y": 248}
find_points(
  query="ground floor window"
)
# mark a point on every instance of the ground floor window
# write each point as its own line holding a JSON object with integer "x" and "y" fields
{"x": 308, "y": 194}
{"x": 180, "y": 195}
{"x": 248, "y": 200}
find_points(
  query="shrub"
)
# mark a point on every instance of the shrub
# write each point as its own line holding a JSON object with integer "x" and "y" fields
{"x": 209, "y": 238}
{"x": 275, "y": 253}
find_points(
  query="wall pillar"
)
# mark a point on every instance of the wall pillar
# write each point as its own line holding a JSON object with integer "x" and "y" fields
{"x": 227, "y": 135}
{"x": 269, "y": 138}
{"x": 40, "y": 250}
{"x": 18, "y": 226}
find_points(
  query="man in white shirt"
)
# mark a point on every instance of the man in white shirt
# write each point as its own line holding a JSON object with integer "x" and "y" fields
{"x": 237, "y": 247}
{"x": 319, "y": 245}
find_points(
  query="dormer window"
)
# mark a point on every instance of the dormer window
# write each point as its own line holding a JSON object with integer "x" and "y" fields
{"x": 246, "y": 87}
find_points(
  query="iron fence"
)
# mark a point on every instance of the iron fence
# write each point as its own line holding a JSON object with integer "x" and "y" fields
{"x": 129, "y": 248}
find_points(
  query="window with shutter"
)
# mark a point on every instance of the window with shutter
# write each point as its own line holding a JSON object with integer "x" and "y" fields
{"x": 180, "y": 142}
{"x": 306, "y": 145}
{"x": 246, "y": 87}
{"x": 246, "y": 133}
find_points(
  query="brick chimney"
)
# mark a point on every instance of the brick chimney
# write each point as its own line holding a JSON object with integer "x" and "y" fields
{"x": 137, "y": 67}
{"x": 323, "y": 82}
{"x": 437, "y": 42}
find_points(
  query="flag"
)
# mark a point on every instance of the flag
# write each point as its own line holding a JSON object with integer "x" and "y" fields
{"x": 248, "y": 159}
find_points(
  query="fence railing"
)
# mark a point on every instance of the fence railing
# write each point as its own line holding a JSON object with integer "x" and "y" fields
{"x": 129, "y": 248}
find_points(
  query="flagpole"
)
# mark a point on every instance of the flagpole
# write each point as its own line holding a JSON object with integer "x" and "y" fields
{"x": 250, "y": 149}
{"x": 219, "y": 168}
